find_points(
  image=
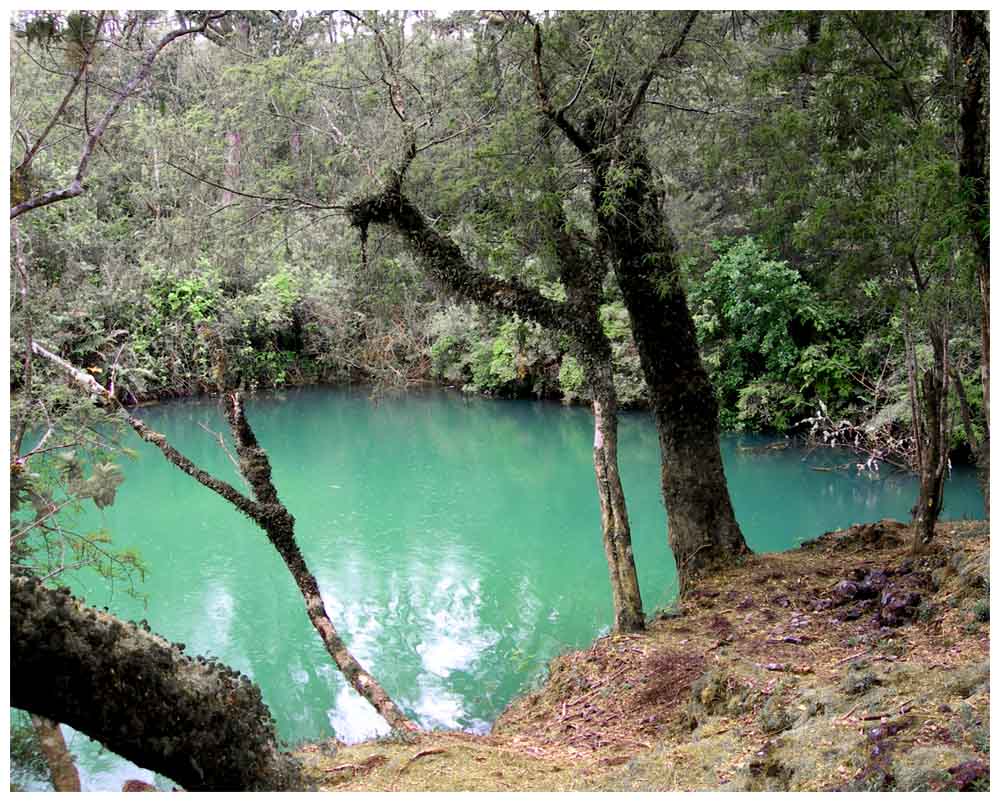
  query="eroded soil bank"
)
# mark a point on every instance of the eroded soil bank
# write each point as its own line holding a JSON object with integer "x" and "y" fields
{"x": 842, "y": 665}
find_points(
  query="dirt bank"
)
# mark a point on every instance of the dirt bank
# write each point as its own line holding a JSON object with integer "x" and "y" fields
{"x": 842, "y": 665}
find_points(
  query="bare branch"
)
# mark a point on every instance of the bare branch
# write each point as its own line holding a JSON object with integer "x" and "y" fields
{"x": 33, "y": 150}
{"x": 267, "y": 512}
{"x": 282, "y": 199}
{"x": 101, "y": 396}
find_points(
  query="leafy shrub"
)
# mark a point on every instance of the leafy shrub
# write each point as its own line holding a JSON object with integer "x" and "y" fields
{"x": 571, "y": 379}
{"x": 770, "y": 343}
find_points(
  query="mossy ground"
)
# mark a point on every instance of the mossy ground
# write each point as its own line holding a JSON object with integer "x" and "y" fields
{"x": 764, "y": 679}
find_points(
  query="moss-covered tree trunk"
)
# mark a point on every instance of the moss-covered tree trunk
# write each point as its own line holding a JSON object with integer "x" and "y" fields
{"x": 195, "y": 721}
{"x": 626, "y": 205}
{"x": 703, "y": 531}
{"x": 279, "y": 526}
{"x": 444, "y": 262}
{"x": 931, "y": 429}
{"x": 267, "y": 512}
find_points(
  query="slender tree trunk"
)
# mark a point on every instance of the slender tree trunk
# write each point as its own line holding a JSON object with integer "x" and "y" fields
{"x": 703, "y": 531}
{"x": 617, "y": 535}
{"x": 443, "y": 261}
{"x": 62, "y": 768}
{"x": 973, "y": 42}
{"x": 195, "y": 721}
{"x": 934, "y": 462}
{"x": 931, "y": 431}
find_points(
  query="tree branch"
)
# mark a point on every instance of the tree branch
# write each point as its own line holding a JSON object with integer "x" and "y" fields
{"x": 75, "y": 187}
{"x": 667, "y": 53}
{"x": 445, "y": 263}
{"x": 581, "y": 142}
{"x": 268, "y": 513}
{"x": 32, "y": 152}
{"x": 911, "y": 101}
{"x": 283, "y": 199}
{"x": 102, "y": 397}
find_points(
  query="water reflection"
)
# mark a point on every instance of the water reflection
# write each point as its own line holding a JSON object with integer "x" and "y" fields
{"x": 456, "y": 545}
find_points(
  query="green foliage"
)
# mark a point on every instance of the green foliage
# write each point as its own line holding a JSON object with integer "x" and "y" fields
{"x": 571, "y": 379}
{"x": 767, "y": 339}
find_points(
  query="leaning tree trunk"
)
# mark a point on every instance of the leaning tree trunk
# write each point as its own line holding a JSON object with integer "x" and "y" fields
{"x": 195, "y": 721}
{"x": 279, "y": 525}
{"x": 62, "y": 769}
{"x": 702, "y": 527}
{"x": 268, "y": 513}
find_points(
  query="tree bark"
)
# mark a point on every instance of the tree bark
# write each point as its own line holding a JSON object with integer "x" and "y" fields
{"x": 195, "y": 721}
{"x": 702, "y": 527}
{"x": 62, "y": 769}
{"x": 933, "y": 463}
{"x": 615, "y": 530}
{"x": 973, "y": 42}
{"x": 931, "y": 430}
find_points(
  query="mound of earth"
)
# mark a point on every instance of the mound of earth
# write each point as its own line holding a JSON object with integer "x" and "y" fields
{"x": 846, "y": 664}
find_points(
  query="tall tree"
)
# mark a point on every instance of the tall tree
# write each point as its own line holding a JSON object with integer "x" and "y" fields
{"x": 577, "y": 317}
{"x": 972, "y": 33}
{"x": 627, "y": 206}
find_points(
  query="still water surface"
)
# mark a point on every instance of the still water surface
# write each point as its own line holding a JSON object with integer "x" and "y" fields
{"x": 456, "y": 542}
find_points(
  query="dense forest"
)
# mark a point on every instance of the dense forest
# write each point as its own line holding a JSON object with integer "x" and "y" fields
{"x": 768, "y": 221}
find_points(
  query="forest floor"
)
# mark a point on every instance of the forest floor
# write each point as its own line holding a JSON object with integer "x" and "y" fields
{"x": 845, "y": 664}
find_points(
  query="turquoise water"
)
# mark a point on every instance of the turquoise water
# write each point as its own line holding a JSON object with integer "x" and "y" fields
{"x": 456, "y": 543}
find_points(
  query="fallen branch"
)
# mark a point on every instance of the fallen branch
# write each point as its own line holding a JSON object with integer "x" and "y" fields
{"x": 852, "y": 657}
{"x": 420, "y": 754}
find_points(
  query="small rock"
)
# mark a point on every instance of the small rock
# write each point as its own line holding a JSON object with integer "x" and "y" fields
{"x": 858, "y": 681}
{"x": 965, "y": 774}
{"x": 846, "y": 590}
{"x": 896, "y": 607}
